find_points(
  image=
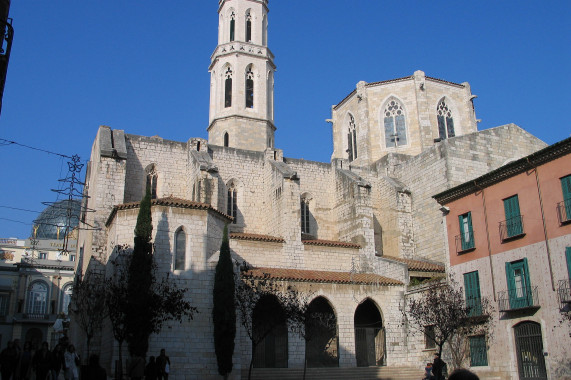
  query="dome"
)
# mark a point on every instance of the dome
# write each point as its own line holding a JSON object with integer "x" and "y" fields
{"x": 55, "y": 216}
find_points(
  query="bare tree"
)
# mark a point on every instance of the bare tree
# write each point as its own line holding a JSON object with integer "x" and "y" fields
{"x": 443, "y": 316}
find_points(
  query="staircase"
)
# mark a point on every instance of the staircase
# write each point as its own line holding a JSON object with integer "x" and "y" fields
{"x": 354, "y": 373}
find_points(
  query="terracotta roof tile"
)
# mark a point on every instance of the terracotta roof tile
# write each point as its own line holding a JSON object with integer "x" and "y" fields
{"x": 286, "y": 274}
{"x": 256, "y": 237}
{"x": 167, "y": 201}
{"x": 418, "y": 265}
{"x": 330, "y": 243}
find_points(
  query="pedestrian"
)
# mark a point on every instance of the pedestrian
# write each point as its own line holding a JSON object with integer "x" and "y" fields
{"x": 25, "y": 361}
{"x": 71, "y": 361}
{"x": 437, "y": 367}
{"x": 136, "y": 367}
{"x": 163, "y": 365}
{"x": 94, "y": 370}
{"x": 428, "y": 372}
{"x": 463, "y": 374}
{"x": 8, "y": 360}
{"x": 151, "y": 372}
{"x": 57, "y": 361}
{"x": 42, "y": 362}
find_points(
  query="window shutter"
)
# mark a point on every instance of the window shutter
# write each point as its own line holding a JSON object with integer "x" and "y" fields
{"x": 441, "y": 127}
{"x": 527, "y": 283}
{"x": 401, "y": 129}
{"x": 462, "y": 230}
{"x": 566, "y": 189}
{"x": 513, "y": 217}
{"x": 450, "y": 125}
{"x": 568, "y": 256}
{"x": 389, "y": 132}
{"x": 472, "y": 292}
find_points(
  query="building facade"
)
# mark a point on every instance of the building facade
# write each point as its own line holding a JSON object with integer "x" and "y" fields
{"x": 352, "y": 231}
{"x": 509, "y": 239}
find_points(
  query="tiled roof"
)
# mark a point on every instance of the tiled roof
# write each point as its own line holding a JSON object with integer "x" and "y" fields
{"x": 418, "y": 265}
{"x": 168, "y": 201}
{"x": 330, "y": 243}
{"x": 256, "y": 237}
{"x": 285, "y": 274}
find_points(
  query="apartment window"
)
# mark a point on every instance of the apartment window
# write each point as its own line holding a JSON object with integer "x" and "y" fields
{"x": 472, "y": 291}
{"x": 4, "y": 304}
{"x": 478, "y": 351}
{"x": 519, "y": 285}
{"x": 37, "y": 298}
{"x": 71, "y": 257}
{"x": 43, "y": 256}
{"x": 513, "y": 225}
{"x": 429, "y": 337}
{"x": 180, "y": 250}
{"x": 565, "y": 206}
{"x": 466, "y": 231}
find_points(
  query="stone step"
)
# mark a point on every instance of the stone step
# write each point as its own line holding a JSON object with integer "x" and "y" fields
{"x": 355, "y": 373}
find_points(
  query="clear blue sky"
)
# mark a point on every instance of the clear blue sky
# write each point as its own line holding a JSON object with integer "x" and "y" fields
{"x": 142, "y": 66}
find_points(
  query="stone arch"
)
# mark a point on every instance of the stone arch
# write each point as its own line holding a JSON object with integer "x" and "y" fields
{"x": 398, "y": 137}
{"x": 269, "y": 325}
{"x": 322, "y": 349}
{"x": 369, "y": 334}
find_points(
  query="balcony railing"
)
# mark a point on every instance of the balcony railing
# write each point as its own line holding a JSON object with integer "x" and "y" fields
{"x": 518, "y": 298}
{"x": 564, "y": 291}
{"x": 474, "y": 305}
{"x": 465, "y": 242}
{"x": 511, "y": 228}
{"x": 564, "y": 211}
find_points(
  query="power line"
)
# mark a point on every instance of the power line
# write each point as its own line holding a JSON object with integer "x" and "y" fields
{"x": 19, "y": 209}
{"x": 5, "y": 142}
{"x": 16, "y": 221}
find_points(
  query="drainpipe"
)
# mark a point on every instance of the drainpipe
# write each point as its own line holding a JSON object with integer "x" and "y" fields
{"x": 544, "y": 225}
{"x": 488, "y": 239}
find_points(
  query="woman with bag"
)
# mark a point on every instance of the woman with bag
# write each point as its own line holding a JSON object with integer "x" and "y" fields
{"x": 71, "y": 361}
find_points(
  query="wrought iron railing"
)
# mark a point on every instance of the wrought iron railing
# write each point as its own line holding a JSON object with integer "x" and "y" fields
{"x": 35, "y": 316}
{"x": 564, "y": 211}
{"x": 474, "y": 305}
{"x": 518, "y": 298}
{"x": 511, "y": 228}
{"x": 564, "y": 291}
{"x": 465, "y": 242}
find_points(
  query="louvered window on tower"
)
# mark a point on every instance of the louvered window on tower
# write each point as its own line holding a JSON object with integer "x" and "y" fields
{"x": 445, "y": 121}
{"x": 228, "y": 88}
{"x": 395, "y": 124}
{"x": 249, "y": 88}
{"x": 232, "y": 26}
{"x": 248, "y": 27}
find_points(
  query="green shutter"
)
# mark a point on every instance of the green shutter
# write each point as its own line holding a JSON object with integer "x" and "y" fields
{"x": 466, "y": 232}
{"x": 529, "y": 296}
{"x": 568, "y": 255}
{"x": 566, "y": 189}
{"x": 513, "y": 217}
{"x": 472, "y": 292}
{"x": 511, "y": 285}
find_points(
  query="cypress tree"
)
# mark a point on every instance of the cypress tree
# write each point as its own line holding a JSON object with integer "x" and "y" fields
{"x": 223, "y": 311}
{"x": 141, "y": 298}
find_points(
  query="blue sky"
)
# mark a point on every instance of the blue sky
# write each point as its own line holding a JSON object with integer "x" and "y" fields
{"x": 142, "y": 66}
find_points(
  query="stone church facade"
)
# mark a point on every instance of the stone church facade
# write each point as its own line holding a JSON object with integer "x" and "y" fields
{"x": 353, "y": 231}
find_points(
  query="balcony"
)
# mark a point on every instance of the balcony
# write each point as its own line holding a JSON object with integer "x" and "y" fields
{"x": 35, "y": 318}
{"x": 512, "y": 228}
{"x": 474, "y": 306}
{"x": 518, "y": 299}
{"x": 564, "y": 211}
{"x": 465, "y": 242}
{"x": 564, "y": 291}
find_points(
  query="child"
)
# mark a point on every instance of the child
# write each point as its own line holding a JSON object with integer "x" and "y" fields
{"x": 428, "y": 372}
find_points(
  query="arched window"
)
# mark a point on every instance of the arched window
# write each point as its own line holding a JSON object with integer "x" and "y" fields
{"x": 305, "y": 216}
{"x": 232, "y": 206}
{"x": 352, "y": 139}
{"x": 180, "y": 249}
{"x": 395, "y": 124}
{"x": 249, "y": 88}
{"x": 248, "y": 26}
{"x": 37, "y": 298}
{"x": 226, "y": 139}
{"x": 152, "y": 177}
{"x": 232, "y": 26}
{"x": 445, "y": 121}
{"x": 66, "y": 299}
{"x": 228, "y": 88}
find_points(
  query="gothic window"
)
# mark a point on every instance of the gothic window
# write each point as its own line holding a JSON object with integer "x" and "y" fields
{"x": 228, "y": 88}
{"x": 352, "y": 139}
{"x": 152, "y": 181}
{"x": 232, "y": 26}
{"x": 180, "y": 249}
{"x": 232, "y": 206}
{"x": 248, "y": 27}
{"x": 249, "y": 88}
{"x": 66, "y": 299}
{"x": 305, "y": 216}
{"x": 37, "y": 298}
{"x": 445, "y": 121}
{"x": 395, "y": 124}
{"x": 226, "y": 139}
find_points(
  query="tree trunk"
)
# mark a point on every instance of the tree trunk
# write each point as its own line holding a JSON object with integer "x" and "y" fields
{"x": 251, "y": 362}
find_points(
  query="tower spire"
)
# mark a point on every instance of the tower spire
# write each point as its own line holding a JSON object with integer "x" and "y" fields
{"x": 242, "y": 78}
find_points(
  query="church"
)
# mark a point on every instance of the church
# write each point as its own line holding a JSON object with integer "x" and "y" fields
{"x": 354, "y": 231}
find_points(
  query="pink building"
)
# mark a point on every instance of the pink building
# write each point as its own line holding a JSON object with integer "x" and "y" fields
{"x": 509, "y": 239}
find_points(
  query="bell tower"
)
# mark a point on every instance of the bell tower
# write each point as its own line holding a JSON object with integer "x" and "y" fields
{"x": 242, "y": 78}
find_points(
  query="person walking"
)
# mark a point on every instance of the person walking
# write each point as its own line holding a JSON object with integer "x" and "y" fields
{"x": 71, "y": 360}
{"x": 8, "y": 360}
{"x": 151, "y": 372}
{"x": 163, "y": 365}
{"x": 42, "y": 362}
{"x": 25, "y": 362}
{"x": 57, "y": 361}
{"x": 437, "y": 367}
